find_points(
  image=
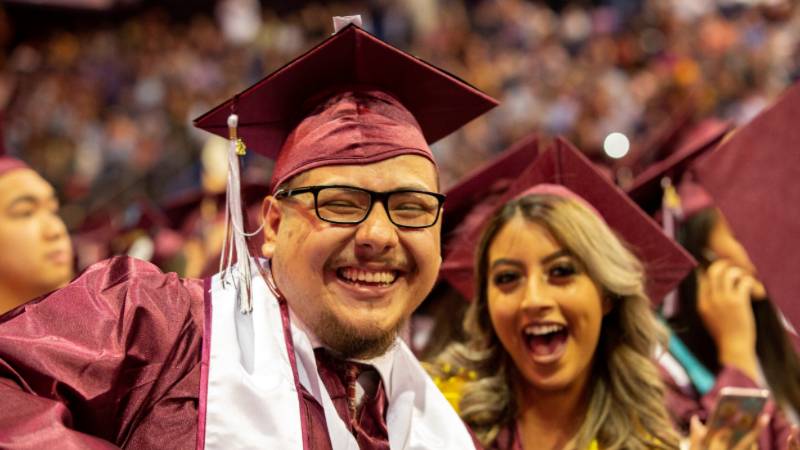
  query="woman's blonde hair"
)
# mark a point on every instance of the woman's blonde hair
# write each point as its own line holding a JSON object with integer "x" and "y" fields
{"x": 626, "y": 405}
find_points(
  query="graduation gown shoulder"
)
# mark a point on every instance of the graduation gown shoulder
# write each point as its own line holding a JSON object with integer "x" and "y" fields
{"x": 112, "y": 360}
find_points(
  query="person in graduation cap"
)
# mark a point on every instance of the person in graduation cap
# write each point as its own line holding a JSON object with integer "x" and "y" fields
{"x": 35, "y": 248}
{"x": 560, "y": 330}
{"x": 725, "y": 329}
{"x": 295, "y": 352}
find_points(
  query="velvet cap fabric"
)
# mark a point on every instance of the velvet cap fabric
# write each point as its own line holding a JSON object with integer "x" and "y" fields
{"x": 353, "y": 99}
{"x": 665, "y": 262}
{"x": 647, "y": 189}
{"x": 472, "y": 200}
{"x": 754, "y": 178}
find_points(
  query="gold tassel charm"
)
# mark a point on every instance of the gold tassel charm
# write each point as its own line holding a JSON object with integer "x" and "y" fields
{"x": 233, "y": 134}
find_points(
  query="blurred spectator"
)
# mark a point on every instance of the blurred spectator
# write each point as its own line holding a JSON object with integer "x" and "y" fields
{"x": 35, "y": 250}
{"x": 104, "y": 111}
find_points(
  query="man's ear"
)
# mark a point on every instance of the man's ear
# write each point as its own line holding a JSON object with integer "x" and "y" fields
{"x": 271, "y": 212}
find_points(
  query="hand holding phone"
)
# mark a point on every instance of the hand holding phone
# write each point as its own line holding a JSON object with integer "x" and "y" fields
{"x": 736, "y": 414}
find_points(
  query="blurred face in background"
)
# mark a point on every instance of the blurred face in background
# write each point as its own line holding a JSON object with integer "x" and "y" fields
{"x": 35, "y": 249}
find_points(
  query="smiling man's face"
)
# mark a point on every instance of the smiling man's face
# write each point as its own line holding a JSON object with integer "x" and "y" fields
{"x": 353, "y": 285}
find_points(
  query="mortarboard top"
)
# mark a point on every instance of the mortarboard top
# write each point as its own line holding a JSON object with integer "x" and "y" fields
{"x": 657, "y": 140}
{"x": 270, "y": 111}
{"x": 665, "y": 262}
{"x": 488, "y": 181}
{"x": 473, "y": 199}
{"x": 647, "y": 189}
{"x": 754, "y": 178}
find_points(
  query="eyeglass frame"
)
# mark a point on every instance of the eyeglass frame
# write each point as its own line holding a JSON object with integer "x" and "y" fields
{"x": 382, "y": 197}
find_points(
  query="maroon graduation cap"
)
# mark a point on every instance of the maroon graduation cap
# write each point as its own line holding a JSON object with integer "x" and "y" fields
{"x": 754, "y": 178}
{"x": 351, "y": 99}
{"x": 658, "y": 139}
{"x": 647, "y": 189}
{"x": 471, "y": 201}
{"x": 665, "y": 262}
{"x": 489, "y": 181}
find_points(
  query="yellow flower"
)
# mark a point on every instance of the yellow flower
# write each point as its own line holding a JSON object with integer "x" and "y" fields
{"x": 452, "y": 383}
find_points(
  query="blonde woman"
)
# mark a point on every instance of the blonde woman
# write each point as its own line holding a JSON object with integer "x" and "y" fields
{"x": 560, "y": 334}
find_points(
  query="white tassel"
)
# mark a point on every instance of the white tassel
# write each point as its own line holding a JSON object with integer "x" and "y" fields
{"x": 235, "y": 237}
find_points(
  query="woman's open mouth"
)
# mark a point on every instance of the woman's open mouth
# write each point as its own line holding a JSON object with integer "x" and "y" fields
{"x": 547, "y": 342}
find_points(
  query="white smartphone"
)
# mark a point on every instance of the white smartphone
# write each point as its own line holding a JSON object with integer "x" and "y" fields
{"x": 737, "y": 410}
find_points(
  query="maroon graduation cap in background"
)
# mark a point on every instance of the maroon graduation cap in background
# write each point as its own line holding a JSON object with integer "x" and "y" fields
{"x": 657, "y": 140}
{"x": 665, "y": 262}
{"x": 754, "y": 178}
{"x": 471, "y": 201}
{"x": 648, "y": 187}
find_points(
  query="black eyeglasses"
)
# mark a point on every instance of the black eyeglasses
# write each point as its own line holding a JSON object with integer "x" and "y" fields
{"x": 348, "y": 205}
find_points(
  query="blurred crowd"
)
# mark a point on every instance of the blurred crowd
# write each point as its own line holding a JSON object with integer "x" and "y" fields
{"x": 105, "y": 112}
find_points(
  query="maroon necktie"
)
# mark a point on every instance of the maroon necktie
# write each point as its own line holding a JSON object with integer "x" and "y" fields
{"x": 367, "y": 421}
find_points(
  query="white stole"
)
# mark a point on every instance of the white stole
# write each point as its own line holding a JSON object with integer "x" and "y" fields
{"x": 252, "y": 401}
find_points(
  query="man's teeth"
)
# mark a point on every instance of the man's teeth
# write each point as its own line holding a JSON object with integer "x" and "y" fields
{"x": 539, "y": 330}
{"x": 383, "y": 277}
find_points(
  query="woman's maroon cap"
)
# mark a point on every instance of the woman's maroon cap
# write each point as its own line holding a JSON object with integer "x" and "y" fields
{"x": 665, "y": 262}
{"x": 488, "y": 182}
{"x": 472, "y": 200}
{"x": 353, "y": 99}
{"x": 754, "y": 178}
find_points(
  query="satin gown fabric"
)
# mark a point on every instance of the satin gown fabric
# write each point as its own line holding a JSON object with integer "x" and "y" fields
{"x": 112, "y": 360}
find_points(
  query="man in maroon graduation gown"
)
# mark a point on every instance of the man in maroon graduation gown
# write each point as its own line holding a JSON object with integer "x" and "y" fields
{"x": 126, "y": 356}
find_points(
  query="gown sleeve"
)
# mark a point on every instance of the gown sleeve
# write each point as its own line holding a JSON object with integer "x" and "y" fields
{"x": 112, "y": 360}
